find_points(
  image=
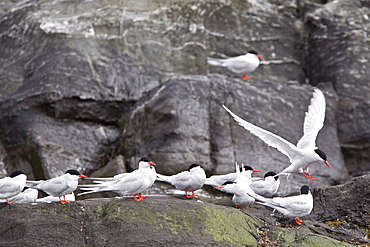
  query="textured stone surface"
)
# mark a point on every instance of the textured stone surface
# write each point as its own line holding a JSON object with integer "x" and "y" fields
{"x": 82, "y": 83}
{"x": 339, "y": 55}
{"x": 157, "y": 221}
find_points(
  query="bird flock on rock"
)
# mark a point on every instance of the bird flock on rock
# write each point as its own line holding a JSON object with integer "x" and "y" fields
{"x": 246, "y": 189}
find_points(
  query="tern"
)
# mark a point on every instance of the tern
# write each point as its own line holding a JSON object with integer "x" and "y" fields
{"x": 12, "y": 185}
{"x": 188, "y": 181}
{"x": 296, "y": 206}
{"x": 27, "y": 195}
{"x": 240, "y": 188}
{"x": 267, "y": 186}
{"x": 132, "y": 183}
{"x": 305, "y": 153}
{"x": 218, "y": 180}
{"x": 59, "y": 186}
{"x": 240, "y": 65}
{"x": 48, "y": 199}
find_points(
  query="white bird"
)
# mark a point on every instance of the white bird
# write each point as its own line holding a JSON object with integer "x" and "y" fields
{"x": 133, "y": 183}
{"x": 12, "y": 185}
{"x": 189, "y": 181}
{"x": 267, "y": 186}
{"x": 27, "y": 195}
{"x": 48, "y": 199}
{"x": 240, "y": 188}
{"x": 305, "y": 153}
{"x": 59, "y": 186}
{"x": 218, "y": 180}
{"x": 295, "y": 206}
{"x": 240, "y": 65}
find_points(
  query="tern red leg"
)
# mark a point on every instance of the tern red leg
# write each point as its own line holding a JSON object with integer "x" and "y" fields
{"x": 8, "y": 202}
{"x": 245, "y": 77}
{"x": 308, "y": 176}
{"x": 193, "y": 195}
{"x": 63, "y": 201}
{"x": 187, "y": 196}
{"x": 138, "y": 197}
{"x": 298, "y": 221}
{"x": 141, "y": 197}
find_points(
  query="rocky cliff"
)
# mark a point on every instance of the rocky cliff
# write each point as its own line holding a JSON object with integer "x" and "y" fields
{"x": 89, "y": 83}
{"x": 83, "y": 82}
{"x": 338, "y": 219}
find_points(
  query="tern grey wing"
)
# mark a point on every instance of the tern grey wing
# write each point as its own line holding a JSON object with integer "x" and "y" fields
{"x": 314, "y": 120}
{"x": 269, "y": 138}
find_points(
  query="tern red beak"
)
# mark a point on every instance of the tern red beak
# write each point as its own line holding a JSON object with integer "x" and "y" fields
{"x": 152, "y": 163}
{"x": 259, "y": 56}
{"x": 219, "y": 187}
{"x": 82, "y": 176}
{"x": 326, "y": 163}
{"x": 256, "y": 171}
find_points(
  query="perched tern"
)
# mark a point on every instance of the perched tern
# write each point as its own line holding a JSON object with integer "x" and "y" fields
{"x": 59, "y": 186}
{"x": 133, "y": 183}
{"x": 218, "y": 180}
{"x": 267, "y": 186}
{"x": 12, "y": 185}
{"x": 48, "y": 199}
{"x": 188, "y": 181}
{"x": 240, "y": 65}
{"x": 27, "y": 195}
{"x": 240, "y": 188}
{"x": 305, "y": 153}
{"x": 295, "y": 206}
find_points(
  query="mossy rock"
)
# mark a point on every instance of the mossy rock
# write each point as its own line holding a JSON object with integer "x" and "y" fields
{"x": 156, "y": 221}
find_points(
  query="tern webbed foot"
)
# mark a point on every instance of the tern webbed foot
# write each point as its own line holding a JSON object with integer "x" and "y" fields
{"x": 8, "y": 202}
{"x": 308, "y": 176}
{"x": 188, "y": 196}
{"x": 138, "y": 197}
{"x": 193, "y": 195}
{"x": 298, "y": 221}
{"x": 245, "y": 77}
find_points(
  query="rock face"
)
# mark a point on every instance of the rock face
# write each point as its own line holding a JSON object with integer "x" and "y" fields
{"x": 82, "y": 83}
{"x": 176, "y": 221}
{"x": 338, "y": 45}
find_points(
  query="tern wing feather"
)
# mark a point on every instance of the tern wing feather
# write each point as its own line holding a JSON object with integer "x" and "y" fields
{"x": 269, "y": 138}
{"x": 314, "y": 120}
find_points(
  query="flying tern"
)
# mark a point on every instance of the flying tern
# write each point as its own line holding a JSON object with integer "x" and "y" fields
{"x": 305, "y": 153}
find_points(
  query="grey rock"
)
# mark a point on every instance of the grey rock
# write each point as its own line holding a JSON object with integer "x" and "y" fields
{"x": 114, "y": 167}
{"x": 157, "y": 221}
{"x": 82, "y": 83}
{"x": 338, "y": 54}
{"x": 347, "y": 202}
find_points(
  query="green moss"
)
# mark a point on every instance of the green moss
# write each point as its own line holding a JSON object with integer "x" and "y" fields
{"x": 334, "y": 223}
{"x": 313, "y": 240}
{"x": 168, "y": 219}
{"x": 302, "y": 237}
{"x": 230, "y": 225}
{"x": 66, "y": 211}
{"x": 283, "y": 235}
